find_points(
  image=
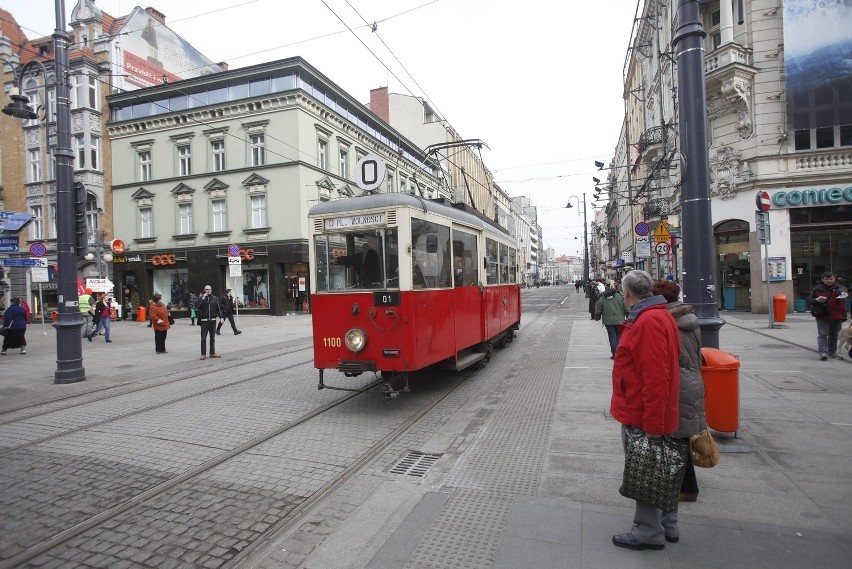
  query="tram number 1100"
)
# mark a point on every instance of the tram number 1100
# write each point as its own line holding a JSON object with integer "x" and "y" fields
{"x": 332, "y": 342}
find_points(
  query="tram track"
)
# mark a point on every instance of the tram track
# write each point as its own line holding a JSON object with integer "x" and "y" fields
{"x": 7, "y": 418}
{"x": 292, "y": 519}
{"x": 139, "y": 411}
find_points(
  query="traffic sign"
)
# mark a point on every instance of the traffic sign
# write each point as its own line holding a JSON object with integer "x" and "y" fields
{"x": 233, "y": 250}
{"x": 642, "y": 228}
{"x": 662, "y": 248}
{"x": 38, "y": 249}
{"x": 762, "y": 201}
{"x": 13, "y": 220}
{"x": 370, "y": 172}
{"x": 661, "y": 233}
{"x": 235, "y": 267}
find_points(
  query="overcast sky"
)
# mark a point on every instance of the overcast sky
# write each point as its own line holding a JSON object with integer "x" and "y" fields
{"x": 539, "y": 81}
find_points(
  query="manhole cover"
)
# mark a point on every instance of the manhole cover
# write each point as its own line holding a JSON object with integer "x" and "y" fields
{"x": 415, "y": 464}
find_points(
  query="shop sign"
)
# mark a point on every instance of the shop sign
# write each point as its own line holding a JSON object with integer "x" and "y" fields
{"x": 127, "y": 259}
{"x": 165, "y": 259}
{"x": 812, "y": 197}
{"x": 118, "y": 246}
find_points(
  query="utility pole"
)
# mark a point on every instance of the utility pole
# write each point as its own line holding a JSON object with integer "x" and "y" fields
{"x": 699, "y": 288}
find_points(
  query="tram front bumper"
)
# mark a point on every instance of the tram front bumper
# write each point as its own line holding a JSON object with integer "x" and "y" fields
{"x": 351, "y": 368}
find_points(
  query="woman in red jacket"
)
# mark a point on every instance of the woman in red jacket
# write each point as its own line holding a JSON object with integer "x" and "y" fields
{"x": 159, "y": 315}
{"x": 645, "y": 389}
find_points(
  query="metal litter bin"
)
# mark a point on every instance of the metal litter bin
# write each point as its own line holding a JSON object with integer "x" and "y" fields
{"x": 779, "y": 307}
{"x": 720, "y": 373}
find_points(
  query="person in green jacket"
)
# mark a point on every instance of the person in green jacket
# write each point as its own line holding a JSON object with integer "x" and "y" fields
{"x": 85, "y": 304}
{"x": 611, "y": 309}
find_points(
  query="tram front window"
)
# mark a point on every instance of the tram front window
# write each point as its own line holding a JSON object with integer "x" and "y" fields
{"x": 357, "y": 260}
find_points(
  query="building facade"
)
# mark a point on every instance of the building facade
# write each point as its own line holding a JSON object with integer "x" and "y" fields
{"x": 235, "y": 160}
{"x": 106, "y": 55}
{"x": 779, "y": 115}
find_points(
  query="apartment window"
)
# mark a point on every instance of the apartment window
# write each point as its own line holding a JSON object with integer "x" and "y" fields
{"x": 184, "y": 160}
{"x": 77, "y": 93}
{"x": 80, "y": 152}
{"x": 714, "y": 33}
{"x": 402, "y": 185}
{"x": 92, "y": 84}
{"x": 31, "y": 92}
{"x": 51, "y": 105}
{"x": 185, "y": 215}
{"x": 34, "y": 165}
{"x": 92, "y": 217}
{"x": 218, "y": 147}
{"x": 390, "y": 182}
{"x": 322, "y": 154}
{"x": 94, "y": 152}
{"x": 220, "y": 215}
{"x": 344, "y": 163}
{"x": 51, "y": 226}
{"x": 822, "y": 117}
{"x": 258, "y": 211}
{"x": 145, "y": 166}
{"x": 258, "y": 149}
{"x": 146, "y": 222}
{"x": 37, "y": 223}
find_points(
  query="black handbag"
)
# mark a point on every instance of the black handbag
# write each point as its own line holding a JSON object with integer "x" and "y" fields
{"x": 653, "y": 469}
{"x": 819, "y": 309}
{"x": 171, "y": 320}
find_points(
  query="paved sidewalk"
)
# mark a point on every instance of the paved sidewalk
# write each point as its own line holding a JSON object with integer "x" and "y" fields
{"x": 780, "y": 498}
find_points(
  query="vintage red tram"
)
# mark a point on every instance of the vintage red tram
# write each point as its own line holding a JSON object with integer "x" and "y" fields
{"x": 401, "y": 283}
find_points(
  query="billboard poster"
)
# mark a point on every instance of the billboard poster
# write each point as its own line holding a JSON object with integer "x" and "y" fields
{"x": 154, "y": 54}
{"x": 818, "y": 77}
{"x": 777, "y": 268}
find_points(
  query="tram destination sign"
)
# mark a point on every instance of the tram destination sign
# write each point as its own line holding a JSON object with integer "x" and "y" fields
{"x": 350, "y": 221}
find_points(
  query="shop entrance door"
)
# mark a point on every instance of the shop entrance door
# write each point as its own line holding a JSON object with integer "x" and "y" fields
{"x": 296, "y": 288}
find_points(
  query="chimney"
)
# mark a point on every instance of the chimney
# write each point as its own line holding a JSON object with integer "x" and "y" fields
{"x": 380, "y": 103}
{"x": 223, "y": 65}
{"x": 156, "y": 14}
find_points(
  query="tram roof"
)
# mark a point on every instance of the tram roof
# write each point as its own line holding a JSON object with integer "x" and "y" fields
{"x": 458, "y": 212}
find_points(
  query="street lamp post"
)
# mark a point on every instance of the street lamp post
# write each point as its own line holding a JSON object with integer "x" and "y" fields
{"x": 69, "y": 346}
{"x": 699, "y": 287}
{"x": 585, "y": 237}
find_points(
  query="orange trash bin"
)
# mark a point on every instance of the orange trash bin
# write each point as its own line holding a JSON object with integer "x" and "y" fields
{"x": 779, "y": 307}
{"x": 720, "y": 373}
{"x": 140, "y": 314}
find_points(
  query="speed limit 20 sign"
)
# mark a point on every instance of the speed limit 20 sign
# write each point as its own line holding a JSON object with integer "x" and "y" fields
{"x": 662, "y": 248}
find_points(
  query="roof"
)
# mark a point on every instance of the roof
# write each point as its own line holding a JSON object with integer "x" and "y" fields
{"x": 9, "y": 28}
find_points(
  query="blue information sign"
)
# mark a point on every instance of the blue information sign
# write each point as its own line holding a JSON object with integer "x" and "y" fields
{"x": 21, "y": 262}
{"x": 9, "y": 245}
{"x": 13, "y": 220}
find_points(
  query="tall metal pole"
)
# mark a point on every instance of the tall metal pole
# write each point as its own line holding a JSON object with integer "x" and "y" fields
{"x": 699, "y": 283}
{"x": 69, "y": 343}
{"x": 585, "y": 242}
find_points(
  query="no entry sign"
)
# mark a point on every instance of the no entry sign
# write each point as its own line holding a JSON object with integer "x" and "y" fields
{"x": 762, "y": 201}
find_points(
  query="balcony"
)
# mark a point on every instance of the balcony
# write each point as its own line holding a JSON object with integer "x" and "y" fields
{"x": 729, "y": 74}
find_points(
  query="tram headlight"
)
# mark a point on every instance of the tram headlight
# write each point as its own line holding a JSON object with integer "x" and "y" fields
{"x": 355, "y": 339}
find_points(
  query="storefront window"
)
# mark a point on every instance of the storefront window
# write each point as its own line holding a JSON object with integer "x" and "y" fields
{"x": 815, "y": 252}
{"x": 173, "y": 284}
{"x": 255, "y": 286}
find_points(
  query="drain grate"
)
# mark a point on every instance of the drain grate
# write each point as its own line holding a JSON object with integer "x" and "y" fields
{"x": 415, "y": 464}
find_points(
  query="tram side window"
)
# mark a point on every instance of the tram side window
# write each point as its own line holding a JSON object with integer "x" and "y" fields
{"x": 491, "y": 259}
{"x": 329, "y": 275}
{"x": 430, "y": 255}
{"x": 504, "y": 264}
{"x": 464, "y": 259}
{"x": 513, "y": 265}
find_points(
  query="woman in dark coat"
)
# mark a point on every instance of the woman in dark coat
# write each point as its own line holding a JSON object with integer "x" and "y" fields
{"x": 691, "y": 408}
{"x": 15, "y": 323}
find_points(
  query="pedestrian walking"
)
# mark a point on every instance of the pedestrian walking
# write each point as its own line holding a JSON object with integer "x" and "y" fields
{"x": 577, "y": 284}
{"x": 828, "y": 306}
{"x": 645, "y": 384}
{"x": 14, "y": 327}
{"x": 84, "y": 302}
{"x": 207, "y": 311}
{"x": 102, "y": 313}
{"x": 611, "y": 310}
{"x": 159, "y": 316}
{"x": 691, "y": 394}
{"x": 227, "y": 305}
{"x": 594, "y": 290}
{"x": 193, "y": 300}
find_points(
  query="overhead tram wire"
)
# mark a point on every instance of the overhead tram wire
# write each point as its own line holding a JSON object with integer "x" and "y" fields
{"x": 395, "y": 76}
